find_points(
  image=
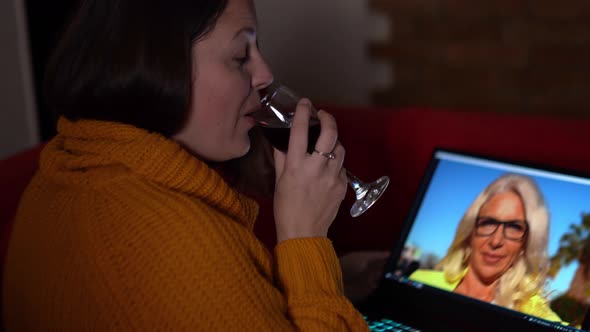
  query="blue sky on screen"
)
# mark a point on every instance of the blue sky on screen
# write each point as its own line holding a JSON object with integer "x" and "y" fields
{"x": 455, "y": 185}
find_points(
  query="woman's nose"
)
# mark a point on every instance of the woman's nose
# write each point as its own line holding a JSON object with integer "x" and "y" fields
{"x": 262, "y": 76}
{"x": 497, "y": 239}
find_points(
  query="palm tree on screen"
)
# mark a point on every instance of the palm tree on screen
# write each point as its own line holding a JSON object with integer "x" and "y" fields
{"x": 574, "y": 246}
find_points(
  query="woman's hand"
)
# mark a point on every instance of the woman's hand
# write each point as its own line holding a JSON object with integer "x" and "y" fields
{"x": 309, "y": 187}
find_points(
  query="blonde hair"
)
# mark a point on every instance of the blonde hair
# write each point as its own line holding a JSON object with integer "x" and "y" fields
{"x": 526, "y": 277}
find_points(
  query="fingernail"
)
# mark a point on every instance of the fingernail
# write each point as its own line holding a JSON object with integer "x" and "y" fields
{"x": 305, "y": 102}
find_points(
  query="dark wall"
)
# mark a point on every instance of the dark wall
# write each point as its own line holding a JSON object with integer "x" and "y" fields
{"x": 46, "y": 20}
{"x": 526, "y": 56}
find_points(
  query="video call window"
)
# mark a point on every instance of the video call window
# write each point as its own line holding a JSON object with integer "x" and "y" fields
{"x": 455, "y": 185}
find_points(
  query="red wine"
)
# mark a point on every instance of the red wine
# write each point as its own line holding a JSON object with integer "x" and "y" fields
{"x": 279, "y": 137}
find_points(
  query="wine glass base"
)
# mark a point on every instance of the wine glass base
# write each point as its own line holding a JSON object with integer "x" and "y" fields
{"x": 374, "y": 191}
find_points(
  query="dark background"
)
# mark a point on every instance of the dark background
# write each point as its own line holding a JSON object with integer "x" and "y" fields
{"x": 527, "y": 57}
{"x": 46, "y": 20}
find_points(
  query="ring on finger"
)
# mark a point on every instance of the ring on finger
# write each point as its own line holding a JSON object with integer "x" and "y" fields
{"x": 330, "y": 155}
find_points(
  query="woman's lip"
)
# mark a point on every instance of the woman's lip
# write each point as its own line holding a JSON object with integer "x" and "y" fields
{"x": 250, "y": 113}
{"x": 252, "y": 108}
{"x": 489, "y": 258}
{"x": 250, "y": 120}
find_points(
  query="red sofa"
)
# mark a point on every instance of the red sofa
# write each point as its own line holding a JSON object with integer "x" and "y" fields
{"x": 394, "y": 142}
{"x": 399, "y": 143}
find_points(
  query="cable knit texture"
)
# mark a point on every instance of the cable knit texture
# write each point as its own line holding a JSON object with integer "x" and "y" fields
{"x": 123, "y": 230}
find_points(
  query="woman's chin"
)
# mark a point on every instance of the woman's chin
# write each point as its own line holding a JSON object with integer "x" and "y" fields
{"x": 242, "y": 151}
{"x": 490, "y": 277}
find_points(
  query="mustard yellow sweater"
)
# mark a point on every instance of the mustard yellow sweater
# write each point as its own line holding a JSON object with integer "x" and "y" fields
{"x": 123, "y": 230}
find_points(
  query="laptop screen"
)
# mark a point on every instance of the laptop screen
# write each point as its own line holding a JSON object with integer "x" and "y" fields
{"x": 500, "y": 235}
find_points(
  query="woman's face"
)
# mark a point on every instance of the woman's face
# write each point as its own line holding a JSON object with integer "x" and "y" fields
{"x": 492, "y": 255}
{"x": 228, "y": 72}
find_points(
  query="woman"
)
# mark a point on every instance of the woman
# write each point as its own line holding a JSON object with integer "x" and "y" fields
{"x": 499, "y": 253}
{"x": 126, "y": 225}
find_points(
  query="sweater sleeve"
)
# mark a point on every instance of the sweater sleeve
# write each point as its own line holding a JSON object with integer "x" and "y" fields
{"x": 309, "y": 275}
{"x": 210, "y": 276}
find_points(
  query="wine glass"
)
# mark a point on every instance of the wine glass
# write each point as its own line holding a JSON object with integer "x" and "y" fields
{"x": 275, "y": 118}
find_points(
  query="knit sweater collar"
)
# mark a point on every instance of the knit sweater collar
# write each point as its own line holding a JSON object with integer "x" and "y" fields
{"x": 86, "y": 145}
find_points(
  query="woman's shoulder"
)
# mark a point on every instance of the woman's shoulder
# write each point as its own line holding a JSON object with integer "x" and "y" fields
{"x": 433, "y": 278}
{"x": 430, "y": 277}
{"x": 538, "y": 306}
{"x": 423, "y": 274}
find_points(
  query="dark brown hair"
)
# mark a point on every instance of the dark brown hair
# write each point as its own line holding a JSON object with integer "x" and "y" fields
{"x": 129, "y": 61}
{"x": 254, "y": 173}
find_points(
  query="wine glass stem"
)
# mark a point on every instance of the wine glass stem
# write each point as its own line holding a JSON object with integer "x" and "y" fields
{"x": 360, "y": 190}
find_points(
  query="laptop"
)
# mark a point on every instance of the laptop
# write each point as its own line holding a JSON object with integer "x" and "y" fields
{"x": 452, "y": 181}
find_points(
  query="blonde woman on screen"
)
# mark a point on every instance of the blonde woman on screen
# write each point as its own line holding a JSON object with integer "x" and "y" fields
{"x": 499, "y": 253}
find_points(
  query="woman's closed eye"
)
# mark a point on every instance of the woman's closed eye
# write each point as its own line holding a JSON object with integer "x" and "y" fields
{"x": 241, "y": 60}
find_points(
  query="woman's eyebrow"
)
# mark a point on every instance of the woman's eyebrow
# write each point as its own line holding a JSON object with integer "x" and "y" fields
{"x": 248, "y": 30}
{"x": 504, "y": 221}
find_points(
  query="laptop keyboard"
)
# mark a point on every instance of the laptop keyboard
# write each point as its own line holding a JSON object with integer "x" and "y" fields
{"x": 385, "y": 324}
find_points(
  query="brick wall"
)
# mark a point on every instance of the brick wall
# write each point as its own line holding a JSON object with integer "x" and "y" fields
{"x": 530, "y": 56}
